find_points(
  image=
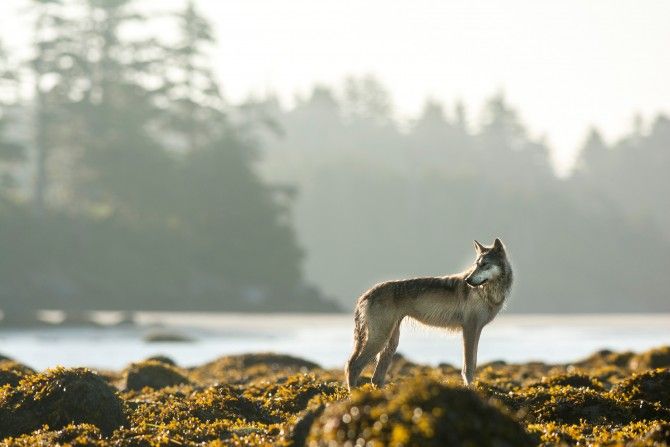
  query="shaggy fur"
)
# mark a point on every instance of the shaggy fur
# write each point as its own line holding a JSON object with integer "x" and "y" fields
{"x": 466, "y": 301}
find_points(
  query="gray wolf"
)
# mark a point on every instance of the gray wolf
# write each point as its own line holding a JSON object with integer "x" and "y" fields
{"x": 466, "y": 301}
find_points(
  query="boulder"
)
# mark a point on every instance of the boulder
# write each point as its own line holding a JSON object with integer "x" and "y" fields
{"x": 419, "y": 411}
{"x": 153, "y": 374}
{"x": 59, "y": 397}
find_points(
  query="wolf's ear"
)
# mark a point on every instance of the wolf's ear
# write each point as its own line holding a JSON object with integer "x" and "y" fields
{"x": 498, "y": 245}
{"x": 479, "y": 247}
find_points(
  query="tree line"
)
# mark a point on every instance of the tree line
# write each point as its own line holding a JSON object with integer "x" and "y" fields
{"x": 134, "y": 185}
{"x": 379, "y": 200}
{"x": 129, "y": 182}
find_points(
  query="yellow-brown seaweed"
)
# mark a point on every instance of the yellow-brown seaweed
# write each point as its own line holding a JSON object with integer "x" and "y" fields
{"x": 268, "y": 399}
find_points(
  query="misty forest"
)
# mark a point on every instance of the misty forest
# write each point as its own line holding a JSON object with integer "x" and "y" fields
{"x": 128, "y": 181}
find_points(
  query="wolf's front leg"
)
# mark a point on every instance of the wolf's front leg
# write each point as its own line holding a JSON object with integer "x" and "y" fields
{"x": 471, "y": 332}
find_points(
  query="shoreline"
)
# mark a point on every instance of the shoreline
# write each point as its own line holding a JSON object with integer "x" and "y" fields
{"x": 327, "y": 340}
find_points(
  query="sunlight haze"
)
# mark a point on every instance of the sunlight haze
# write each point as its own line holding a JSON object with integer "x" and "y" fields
{"x": 565, "y": 65}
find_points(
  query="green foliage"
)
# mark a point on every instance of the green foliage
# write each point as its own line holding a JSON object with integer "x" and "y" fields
{"x": 146, "y": 193}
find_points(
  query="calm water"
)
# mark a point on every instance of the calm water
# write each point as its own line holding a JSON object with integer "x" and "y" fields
{"x": 327, "y": 339}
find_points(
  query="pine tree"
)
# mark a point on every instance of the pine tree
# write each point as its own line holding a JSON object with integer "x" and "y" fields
{"x": 12, "y": 151}
{"x": 112, "y": 109}
{"x": 54, "y": 46}
{"x": 241, "y": 231}
{"x": 593, "y": 156}
{"x": 197, "y": 107}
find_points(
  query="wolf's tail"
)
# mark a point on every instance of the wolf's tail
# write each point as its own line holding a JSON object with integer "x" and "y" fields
{"x": 360, "y": 319}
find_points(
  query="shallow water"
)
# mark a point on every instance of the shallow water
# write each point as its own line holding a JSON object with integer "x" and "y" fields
{"x": 327, "y": 339}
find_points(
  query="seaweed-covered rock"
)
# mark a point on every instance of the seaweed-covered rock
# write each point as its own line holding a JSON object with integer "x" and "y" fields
{"x": 267, "y": 399}
{"x": 163, "y": 359}
{"x": 152, "y": 374}
{"x": 298, "y": 434}
{"x": 575, "y": 380}
{"x": 652, "y": 359}
{"x": 292, "y": 394}
{"x": 59, "y": 397}
{"x": 278, "y": 361}
{"x": 569, "y": 405}
{"x": 651, "y": 386}
{"x": 11, "y": 372}
{"x": 606, "y": 357}
{"x": 246, "y": 367}
{"x": 400, "y": 365}
{"x": 74, "y": 435}
{"x": 190, "y": 415}
{"x": 419, "y": 411}
{"x": 212, "y": 403}
{"x": 226, "y": 402}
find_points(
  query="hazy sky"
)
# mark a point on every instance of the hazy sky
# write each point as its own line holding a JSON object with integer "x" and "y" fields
{"x": 565, "y": 64}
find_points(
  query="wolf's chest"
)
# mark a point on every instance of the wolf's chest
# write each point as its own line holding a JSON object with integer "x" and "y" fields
{"x": 440, "y": 312}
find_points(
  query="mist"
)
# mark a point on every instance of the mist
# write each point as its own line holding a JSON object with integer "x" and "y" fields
{"x": 131, "y": 181}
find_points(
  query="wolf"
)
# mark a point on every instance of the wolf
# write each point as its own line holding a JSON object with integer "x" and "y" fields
{"x": 466, "y": 301}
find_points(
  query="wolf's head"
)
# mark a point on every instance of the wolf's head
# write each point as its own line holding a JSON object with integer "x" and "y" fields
{"x": 490, "y": 264}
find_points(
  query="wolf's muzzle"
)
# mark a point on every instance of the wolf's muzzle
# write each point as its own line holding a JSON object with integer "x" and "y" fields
{"x": 472, "y": 282}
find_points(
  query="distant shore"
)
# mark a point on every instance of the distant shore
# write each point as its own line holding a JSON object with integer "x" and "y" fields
{"x": 323, "y": 338}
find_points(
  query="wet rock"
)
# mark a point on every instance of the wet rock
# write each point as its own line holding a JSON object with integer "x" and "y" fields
{"x": 651, "y": 386}
{"x": 152, "y": 374}
{"x": 652, "y": 359}
{"x": 417, "y": 412}
{"x": 166, "y": 336}
{"x": 59, "y": 397}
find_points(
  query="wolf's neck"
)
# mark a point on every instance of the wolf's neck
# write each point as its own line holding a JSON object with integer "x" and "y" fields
{"x": 496, "y": 292}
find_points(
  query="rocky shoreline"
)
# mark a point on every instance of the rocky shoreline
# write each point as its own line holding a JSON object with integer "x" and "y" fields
{"x": 269, "y": 399}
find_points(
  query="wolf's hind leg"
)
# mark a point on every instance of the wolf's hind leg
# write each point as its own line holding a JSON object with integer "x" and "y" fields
{"x": 350, "y": 368}
{"x": 384, "y": 358}
{"x": 358, "y": 362}
{"x": 368, "y": 345}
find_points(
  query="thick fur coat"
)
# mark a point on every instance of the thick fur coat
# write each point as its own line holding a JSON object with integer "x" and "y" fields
{"x": 466, "y": 301}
